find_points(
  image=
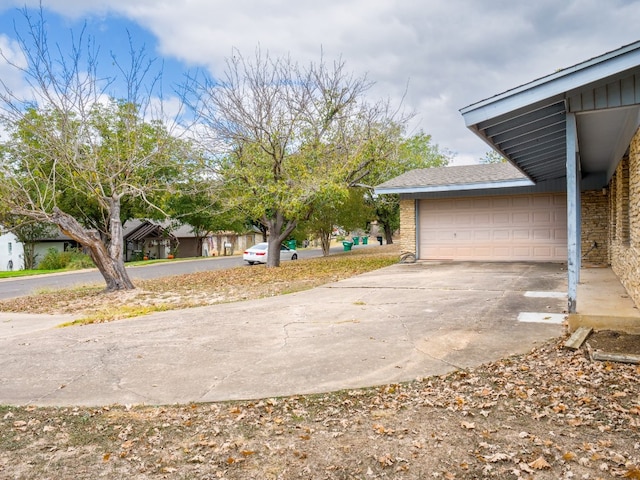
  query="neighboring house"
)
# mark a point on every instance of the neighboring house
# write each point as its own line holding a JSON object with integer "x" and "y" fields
{"x": 571, "y": 191}
{"x": 11, "y": 252}
{"x": 146, "y": 238}
{"x": 59, "y": 242}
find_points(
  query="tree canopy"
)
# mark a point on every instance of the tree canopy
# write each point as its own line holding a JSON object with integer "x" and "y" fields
{"x": 410, "y": 153}
{"x": 77, "y": 157}
{"x": 288, "y": 139}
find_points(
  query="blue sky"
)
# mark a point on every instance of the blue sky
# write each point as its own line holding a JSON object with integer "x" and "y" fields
{"x": 450, "y": 53}
{"x": 113, "y": 34}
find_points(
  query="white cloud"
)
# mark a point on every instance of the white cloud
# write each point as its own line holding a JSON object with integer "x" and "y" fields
{"x": 10, "y": 57}
{"x": 451, "y": 52}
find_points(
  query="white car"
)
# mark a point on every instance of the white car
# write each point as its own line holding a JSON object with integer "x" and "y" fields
{"x": 259, "y": 253}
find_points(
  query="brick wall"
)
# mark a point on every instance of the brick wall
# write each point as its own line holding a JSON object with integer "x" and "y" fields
{"x": 625, "y": 220}
{"x": 595, "y": 227}
{"x": 408, "y": 227}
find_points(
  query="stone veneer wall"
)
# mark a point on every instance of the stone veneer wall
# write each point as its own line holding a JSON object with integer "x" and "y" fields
{"x": 595, "y": 227}
{"x": 625, "y": 220}
{"x": 408, "y": 227}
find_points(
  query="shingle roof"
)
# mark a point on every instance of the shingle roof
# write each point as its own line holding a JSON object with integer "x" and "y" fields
{"x": 462, "y": 177}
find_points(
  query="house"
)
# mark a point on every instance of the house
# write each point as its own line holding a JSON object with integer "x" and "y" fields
{"x": 147, "y": 238}
{"x": 571, "y": 189}
{"x": 57, "y": 241}
{"x": 11, "y": 252}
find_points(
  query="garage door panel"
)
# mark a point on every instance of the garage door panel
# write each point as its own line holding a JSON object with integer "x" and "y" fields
{"x": 522, "y": 251}
{"x": 463, "y": 204}
{"x": 501, "y": 235}
{"x": 499, "y": 202}
{"x": 464, "y": 219}
{"x": 561, "y": 235}
{"x": 501, "y": 218}
{"x": 480, "y": 203}
{"x": 481, "y": 219}
{"x": 502, "y": 253}
{"x": 542, "y": 235}
{"x": 482, "y": 235}
{"x": 521, "y": 235}
{"x": 522, "y": 227}
{"x": 521, "y": 218}
{"x": 543, "y": 217}
{"x": 521, "y": 202}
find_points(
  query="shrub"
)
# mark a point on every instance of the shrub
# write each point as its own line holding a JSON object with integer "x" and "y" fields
{"x": 71, "y": 259}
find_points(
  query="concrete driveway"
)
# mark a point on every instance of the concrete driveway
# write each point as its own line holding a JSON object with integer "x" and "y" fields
{"x": 392, "y": 325}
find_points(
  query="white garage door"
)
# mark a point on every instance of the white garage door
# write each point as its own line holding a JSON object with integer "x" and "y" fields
{"x": 520, "y": 227}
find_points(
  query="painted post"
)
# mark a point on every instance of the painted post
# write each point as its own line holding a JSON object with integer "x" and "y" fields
{"x": 573, "y": 212}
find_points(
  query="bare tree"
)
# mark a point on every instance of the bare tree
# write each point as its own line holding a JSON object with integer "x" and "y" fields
{"x": 75, "y": 153}
{"x": 286, "y": 137}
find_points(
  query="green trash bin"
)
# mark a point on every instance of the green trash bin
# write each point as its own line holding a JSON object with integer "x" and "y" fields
{"x": 356, "y": 240}
{"x": 347, "y": 245}
{"x": 365, "y": 240}
{"x": 291, "y": 244}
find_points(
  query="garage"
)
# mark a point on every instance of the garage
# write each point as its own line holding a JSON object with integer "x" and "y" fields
{"x": 530, "y": 227}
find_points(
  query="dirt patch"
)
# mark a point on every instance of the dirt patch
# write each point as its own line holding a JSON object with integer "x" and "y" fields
{"x": 614, "y": 342}
{"x": 551, "y": 414}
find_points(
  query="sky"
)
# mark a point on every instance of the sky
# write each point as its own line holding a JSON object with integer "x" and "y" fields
{"x": 434, "y": 56}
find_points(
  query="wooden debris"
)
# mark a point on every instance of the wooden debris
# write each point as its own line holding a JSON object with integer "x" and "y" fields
{"x": 616, "y": 357}
{"x": 578, "y": 337}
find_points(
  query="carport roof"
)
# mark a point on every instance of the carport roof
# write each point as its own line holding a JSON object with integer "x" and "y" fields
{"x": 528, "y": 123}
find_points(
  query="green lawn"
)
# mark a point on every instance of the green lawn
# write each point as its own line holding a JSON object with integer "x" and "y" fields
{"x": 25, "y": 273}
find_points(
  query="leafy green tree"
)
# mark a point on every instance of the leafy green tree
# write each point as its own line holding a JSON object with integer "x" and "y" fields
{"x": 349, "y": 211}
{"x": 205, "y": 212}
{"x": 286, "y": 139}
{"x": 410, "y": 153}
{"x": 75, "y": 156}
{"x": 492, "y": 157}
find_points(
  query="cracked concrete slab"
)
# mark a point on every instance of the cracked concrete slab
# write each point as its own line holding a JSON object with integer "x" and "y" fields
{"x": 392, "y": 325}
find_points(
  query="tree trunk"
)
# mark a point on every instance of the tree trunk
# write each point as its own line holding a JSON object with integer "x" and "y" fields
{"x": 325, "y": 241}
{"x": 110, "y": 262}
{"x": 388, "y": 234}
{"x": 199, "y": 243}
{"x": 278, "y": 232}
{"x": 263, "y": 230}
{"x": 29, "y": 252}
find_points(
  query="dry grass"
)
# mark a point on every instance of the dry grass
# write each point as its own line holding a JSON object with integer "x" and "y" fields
{"x": 202, "y": 288}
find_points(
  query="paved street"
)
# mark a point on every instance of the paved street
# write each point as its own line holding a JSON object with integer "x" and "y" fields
{"x": 16, "y": 287}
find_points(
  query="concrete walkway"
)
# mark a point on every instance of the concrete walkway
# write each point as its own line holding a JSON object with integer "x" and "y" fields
{"x": 603, "y": 303}
{"x": 392, "y": 325}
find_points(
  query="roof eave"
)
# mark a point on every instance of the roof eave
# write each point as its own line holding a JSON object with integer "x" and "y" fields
{"x": 523, "y": 182}
{"x": 556, "y": 84}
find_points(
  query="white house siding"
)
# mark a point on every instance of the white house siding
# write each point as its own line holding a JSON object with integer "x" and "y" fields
{"x": 11, "y": 253}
